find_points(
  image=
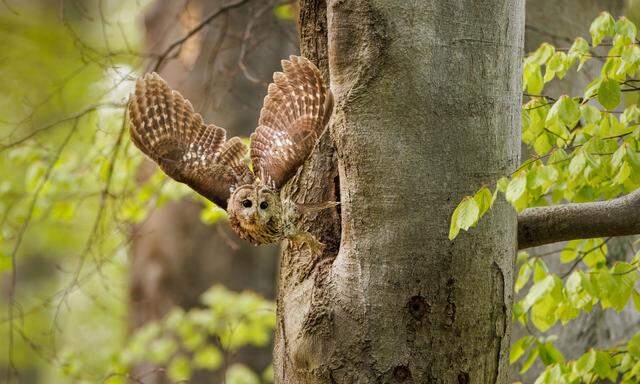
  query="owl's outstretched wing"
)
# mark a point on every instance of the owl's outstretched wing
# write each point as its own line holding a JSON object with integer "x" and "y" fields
{"x": 165, "y": 127}
{"x": 295, "y": 112}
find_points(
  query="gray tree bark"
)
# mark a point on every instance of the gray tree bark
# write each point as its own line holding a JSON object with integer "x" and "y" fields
{"x": 427, "y": 109}
{"x": 545, "y": 225}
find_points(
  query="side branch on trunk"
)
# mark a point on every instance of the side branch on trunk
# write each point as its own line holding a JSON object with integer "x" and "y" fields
{"x": 545, "y": 225}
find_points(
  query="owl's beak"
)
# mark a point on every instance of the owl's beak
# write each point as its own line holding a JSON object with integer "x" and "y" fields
{"x": 253, "y": 218}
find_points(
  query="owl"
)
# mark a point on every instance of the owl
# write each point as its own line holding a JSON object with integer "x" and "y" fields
{"x": 294, "y": 115}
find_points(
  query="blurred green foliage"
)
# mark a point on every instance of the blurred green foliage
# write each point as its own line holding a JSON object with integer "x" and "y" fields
{"x": 70, "y": 190}
{"x": 202, "y": 338}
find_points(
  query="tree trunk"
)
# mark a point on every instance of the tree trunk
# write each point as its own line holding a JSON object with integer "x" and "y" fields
{"x": 174, "y": 256}
{"x": 427, "y": 110}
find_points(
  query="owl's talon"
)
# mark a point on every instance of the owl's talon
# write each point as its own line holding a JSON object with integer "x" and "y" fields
{"x": 315, "y": 246}
{"x": 306, "y": 239}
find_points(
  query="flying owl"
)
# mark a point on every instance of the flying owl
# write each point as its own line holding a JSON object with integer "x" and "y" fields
{"x": 294, "y": 115}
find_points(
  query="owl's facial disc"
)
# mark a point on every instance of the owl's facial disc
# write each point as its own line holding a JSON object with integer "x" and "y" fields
{"x": 268, "y": 204}
{"x": 244, "y": 203}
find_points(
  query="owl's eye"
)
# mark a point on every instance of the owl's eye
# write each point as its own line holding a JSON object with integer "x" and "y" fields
{"x": 264, "y": 205}
{"x": 246, "y": 203}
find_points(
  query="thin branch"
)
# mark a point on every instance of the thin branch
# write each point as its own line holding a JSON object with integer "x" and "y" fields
{"x": 245, "y": 38}
{"x": 10, "y": 8}
{"x": 583, "y": 255}
{"x": 11, "y": 369}
{"x": 546, "y": 225}
{"x": 178, "y": 43}
{"x": 46, "y": 127}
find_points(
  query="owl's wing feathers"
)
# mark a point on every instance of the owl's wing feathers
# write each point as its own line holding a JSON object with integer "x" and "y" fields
{"x": 166, "y": 128}
{"x": 295, "y": 112}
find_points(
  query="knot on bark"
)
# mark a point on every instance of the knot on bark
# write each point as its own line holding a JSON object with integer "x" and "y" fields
{"x": 463, "y": 378}
{"x": 418, "y": 307}
{"x": 401, "y": 373}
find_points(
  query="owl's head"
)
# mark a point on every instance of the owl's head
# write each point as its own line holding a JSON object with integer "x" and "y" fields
{"x": 257, "y": 211}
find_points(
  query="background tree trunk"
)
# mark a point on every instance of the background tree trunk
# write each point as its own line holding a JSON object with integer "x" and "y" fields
{"x": 427, "y": 110}
{"x": 175, "y": 257}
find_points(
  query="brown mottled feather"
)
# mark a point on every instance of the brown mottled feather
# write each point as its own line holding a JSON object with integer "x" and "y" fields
{"x": 294, "y": 115}
{"x": 166, "y": 128}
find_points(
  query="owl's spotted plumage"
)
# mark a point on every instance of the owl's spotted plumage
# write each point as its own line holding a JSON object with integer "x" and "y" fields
{"x": 294, "y": 114}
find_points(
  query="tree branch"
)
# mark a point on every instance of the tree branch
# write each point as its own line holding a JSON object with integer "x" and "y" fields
{"x": 545, "y": 225}
{"x": 178, "y": 43}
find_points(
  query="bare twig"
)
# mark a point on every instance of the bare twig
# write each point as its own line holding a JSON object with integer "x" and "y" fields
{"x": 75, "y": 117}
{"x": 11, "y": 369}
{"x": 178, "y": 43}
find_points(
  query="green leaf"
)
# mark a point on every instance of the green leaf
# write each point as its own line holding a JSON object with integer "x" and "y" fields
{"x": 241, "y": 374}
{"x": 590, "y": 114}
{"x": 551, "y": 375}
{"x": 207, "y": 357}
{"x": 516, "y": 188}
{"x": 603, "y": 366}
{"x": 454, "y": 229}
{"x": 577, "y": 293}
{"x": 609, "y": 94}
{"x": 633, "y": 346}
{"x": 626, "y": 28}
{"x": 595, "y": 252}
{"x": 160, "y": 350}
{"x": 179, "y": 369}
{"x": 556, "y": 63}
{"x": 624, "y": 276}
{"x": 468, "y": 212}
{"x": 579, "y": 51}
{"x": 622, "y": 175}
{"x": 532, "y": 79}
{"x": 636, "y": 300}
{"x": 542, "y": 54}
{"x": 542, "y": 144}
{"x": 267, "y": 374}
{"x": 549, "y": 354}
{"x": 604, "y": 287}
{"x": 502, "y": 184}
{"x": 284, "y": 12}
{"x": 540, "y": 270}
{"x": 524, "y": 274}
{"x": 585, "y": 363}
{"x": 570, "y": 251}
{"x": 632, "y": 157}
{"x": 603, "y": 26}
{"x": 629, "y": 60}
{"x": 530, "y": 360}
{"x": 537, "y": 291}
{"x": 484, "y": 200}
{"x": 544, "y": 312}
{"x": 618, "y": 156}
{"x": 519, "y": 348}
{"x": 631, "y": 114}
{"x": 211, "y": 213}
{"x": 577, "y": 164}
{"x": 569, "y": 111}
